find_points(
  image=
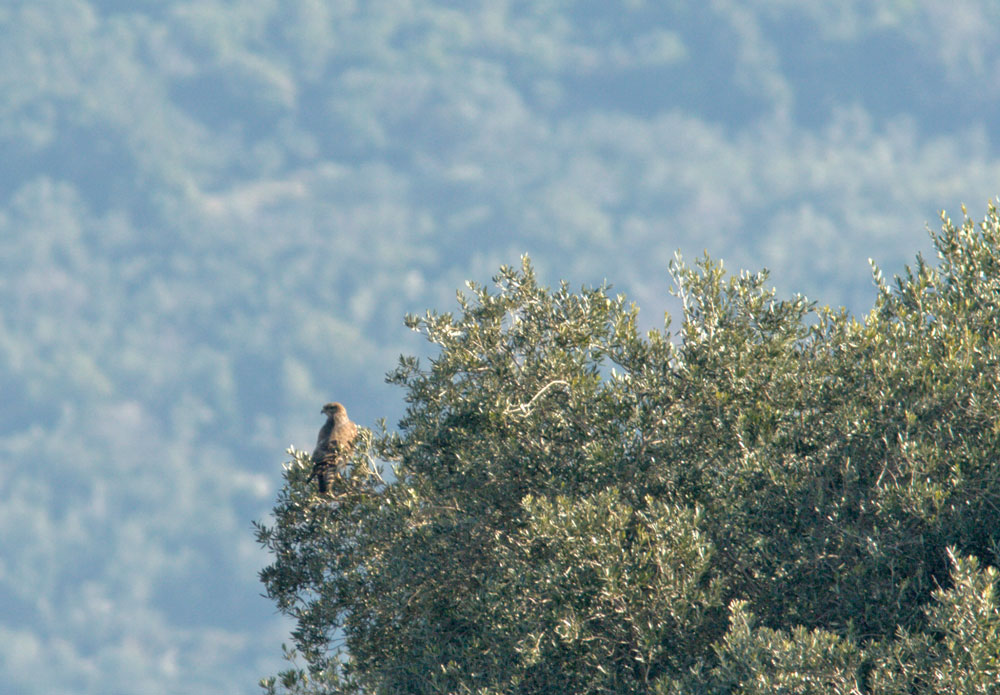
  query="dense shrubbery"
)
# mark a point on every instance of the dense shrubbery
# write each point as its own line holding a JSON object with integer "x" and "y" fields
{"x": 781, "y": 498}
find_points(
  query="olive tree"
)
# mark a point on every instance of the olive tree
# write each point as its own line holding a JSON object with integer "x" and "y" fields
{"x": 778, "y": 497}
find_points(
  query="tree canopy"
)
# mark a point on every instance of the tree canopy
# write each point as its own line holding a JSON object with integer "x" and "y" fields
{"x": 778, "y": 497}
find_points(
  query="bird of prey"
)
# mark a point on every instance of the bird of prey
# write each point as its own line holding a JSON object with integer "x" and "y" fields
{"x": 333, "y": 444}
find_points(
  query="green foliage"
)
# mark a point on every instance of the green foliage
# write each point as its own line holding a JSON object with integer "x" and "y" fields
{"x": 607, "y": 597}
{"x": 959, "y": 652}
{"x": 762, "y": 661}
{"x": 574, "y": 505}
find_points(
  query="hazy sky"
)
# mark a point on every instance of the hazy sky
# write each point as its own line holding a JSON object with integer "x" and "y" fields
{"x": 213, "y": 216}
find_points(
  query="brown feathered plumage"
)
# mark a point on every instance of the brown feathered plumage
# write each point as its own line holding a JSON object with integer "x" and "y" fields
{"x": 336, "y": 438}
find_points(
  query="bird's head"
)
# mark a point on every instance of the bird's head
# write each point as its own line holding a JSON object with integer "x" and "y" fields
{"x": 334, "y": 409}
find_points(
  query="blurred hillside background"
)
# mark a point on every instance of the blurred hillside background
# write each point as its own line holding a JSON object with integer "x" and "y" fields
{"x": 213, "y": 216}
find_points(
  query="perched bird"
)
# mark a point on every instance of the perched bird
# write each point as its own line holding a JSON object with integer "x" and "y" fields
{"x": 336, "y": 438}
